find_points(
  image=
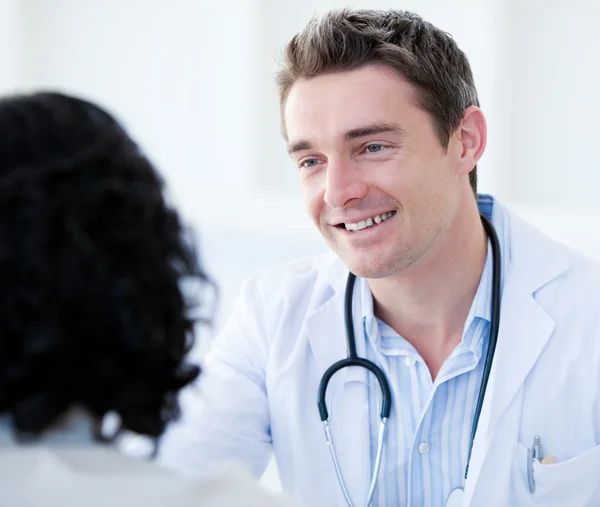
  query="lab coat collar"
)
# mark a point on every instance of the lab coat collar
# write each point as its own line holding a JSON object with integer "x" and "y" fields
{"x": 531, "y": 261}
{"x": 347, "y": 392}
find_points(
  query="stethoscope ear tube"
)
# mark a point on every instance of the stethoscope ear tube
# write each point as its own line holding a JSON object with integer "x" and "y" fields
{"x": 495, "y": 326}
{"x": 386, "y": 397}
{"x": 353, "y": 360}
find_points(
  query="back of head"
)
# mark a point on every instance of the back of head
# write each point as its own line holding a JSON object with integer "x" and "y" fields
{"x": 422, "y": 54}
{"x": 91, "y": 265}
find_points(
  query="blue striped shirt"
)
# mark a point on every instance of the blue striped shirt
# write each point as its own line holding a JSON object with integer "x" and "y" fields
{"x": 429, "y": 429}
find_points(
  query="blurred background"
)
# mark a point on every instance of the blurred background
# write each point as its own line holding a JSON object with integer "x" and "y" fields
{"x": 193, "y": 81}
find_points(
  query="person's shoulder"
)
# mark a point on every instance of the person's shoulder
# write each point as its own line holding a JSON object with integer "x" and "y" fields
{"x": 105, "y": 477}
{"x": 232, "y": 486}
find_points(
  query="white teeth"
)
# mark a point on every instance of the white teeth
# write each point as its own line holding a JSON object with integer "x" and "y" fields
{"x": 369, "y": 222}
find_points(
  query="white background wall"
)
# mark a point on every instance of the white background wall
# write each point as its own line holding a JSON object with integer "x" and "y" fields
{"x": 193, "y": 82}
{"x": 9, "y": 48}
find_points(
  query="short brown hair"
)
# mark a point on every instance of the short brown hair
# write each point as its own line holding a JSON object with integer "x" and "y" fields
{"x": 424, "y": 55}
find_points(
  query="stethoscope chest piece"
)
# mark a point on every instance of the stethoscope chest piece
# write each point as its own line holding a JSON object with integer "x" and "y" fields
{"x": 455, "y": 499}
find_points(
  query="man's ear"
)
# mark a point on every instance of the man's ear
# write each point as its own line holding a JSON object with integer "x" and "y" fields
{"x": 472, "y": 137}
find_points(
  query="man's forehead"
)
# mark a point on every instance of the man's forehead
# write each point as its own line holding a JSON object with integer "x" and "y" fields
{"x": 336, "y": 103}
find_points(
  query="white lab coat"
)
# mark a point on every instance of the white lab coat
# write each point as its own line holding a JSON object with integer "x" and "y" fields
{"x": 71, "y": 470}
{"x": 259, "y": 388}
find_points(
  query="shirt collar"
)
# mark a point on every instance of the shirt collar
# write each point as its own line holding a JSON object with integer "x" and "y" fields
{"x": 482, "y": 303}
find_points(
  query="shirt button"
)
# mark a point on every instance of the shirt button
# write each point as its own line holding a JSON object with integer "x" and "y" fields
{"x": 410, "y": 361}
{"x": 423, "y": 448}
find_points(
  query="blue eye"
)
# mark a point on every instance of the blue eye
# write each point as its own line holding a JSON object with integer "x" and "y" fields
{"x": 311, "y": 162}
{"x": 374, "y": 148}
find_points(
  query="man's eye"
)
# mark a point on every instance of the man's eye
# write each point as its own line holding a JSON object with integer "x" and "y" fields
{"x": 374, "y": 148}
{"x": 311, "y": 162}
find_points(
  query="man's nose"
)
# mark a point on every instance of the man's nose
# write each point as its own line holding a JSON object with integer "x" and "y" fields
{"x": 343, "y": 184}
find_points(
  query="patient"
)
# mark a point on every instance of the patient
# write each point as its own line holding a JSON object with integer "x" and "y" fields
{"x": 95, "y": 325}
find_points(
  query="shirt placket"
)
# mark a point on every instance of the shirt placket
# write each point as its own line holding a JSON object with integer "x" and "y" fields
{"x": 419, "y": 448}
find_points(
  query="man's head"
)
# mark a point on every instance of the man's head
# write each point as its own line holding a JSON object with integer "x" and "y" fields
{"x": 91, "y": 265}
{"x": 379, "y": 109}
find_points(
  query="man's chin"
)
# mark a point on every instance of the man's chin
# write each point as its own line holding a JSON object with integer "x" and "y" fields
{"x": 368, "y": 269}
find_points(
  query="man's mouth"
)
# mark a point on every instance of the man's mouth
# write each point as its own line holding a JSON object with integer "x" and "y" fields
{"x": 369, "y": 222}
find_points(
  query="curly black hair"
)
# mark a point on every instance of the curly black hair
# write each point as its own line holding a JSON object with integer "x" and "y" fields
{"x": 92, "y": 261}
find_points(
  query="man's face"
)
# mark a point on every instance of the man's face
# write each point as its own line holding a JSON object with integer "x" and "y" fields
{"x": 375, "y": 178}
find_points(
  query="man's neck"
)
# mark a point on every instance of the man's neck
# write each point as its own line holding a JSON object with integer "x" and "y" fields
{"x": 428, "y": 303}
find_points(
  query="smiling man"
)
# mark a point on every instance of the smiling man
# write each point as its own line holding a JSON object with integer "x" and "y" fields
{"x": 391, "y": 200}
{"x": 477, "y": 327}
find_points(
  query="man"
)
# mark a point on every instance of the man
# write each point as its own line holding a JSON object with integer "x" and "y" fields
{"x": 95, "y": 324}
{"x": 380, "y": 115}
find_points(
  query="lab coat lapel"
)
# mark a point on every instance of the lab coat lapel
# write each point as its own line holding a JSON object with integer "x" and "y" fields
{"x": 533, "y": 261}
{"x": 347, "y": 393}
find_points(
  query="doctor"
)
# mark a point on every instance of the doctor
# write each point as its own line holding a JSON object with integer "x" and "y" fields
{"x": 381, "y": 118}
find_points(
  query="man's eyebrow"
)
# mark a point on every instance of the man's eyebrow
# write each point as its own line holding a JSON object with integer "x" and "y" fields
{"x": 300, "y": 145}
{"x": 355, "y": 133}
{"x": 372, "y": 129}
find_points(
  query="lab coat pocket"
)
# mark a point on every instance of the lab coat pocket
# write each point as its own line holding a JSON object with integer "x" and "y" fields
{"x": 574, "y": 482}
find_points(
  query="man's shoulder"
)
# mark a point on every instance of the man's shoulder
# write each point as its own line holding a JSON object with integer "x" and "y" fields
{"x": 577, "y": 281}
{"x": 579, "y": 287}
{"x": 304, "y": 274}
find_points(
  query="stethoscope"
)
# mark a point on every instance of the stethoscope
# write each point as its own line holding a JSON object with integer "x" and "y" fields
{"x": 455, "y": 497}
